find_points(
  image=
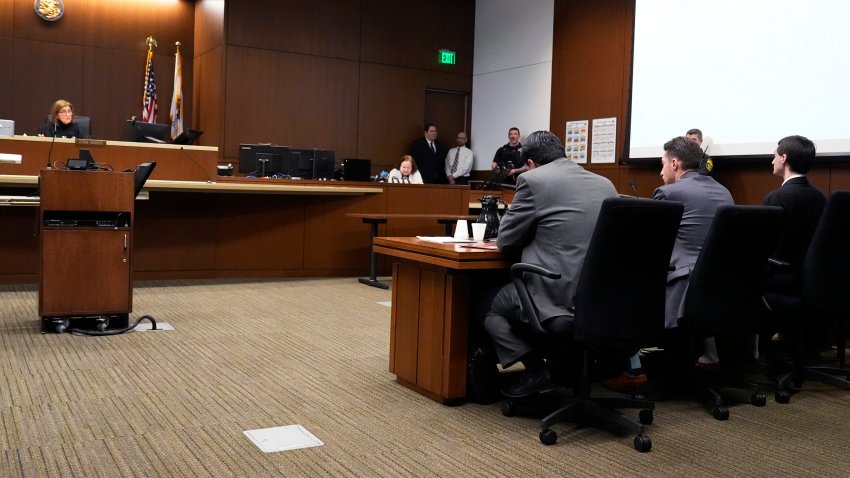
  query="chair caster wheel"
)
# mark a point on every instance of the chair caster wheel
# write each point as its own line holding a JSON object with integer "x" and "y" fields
{"x": 101, "y": 326}
{"x": 548, "y": 437}
{"x": 508, "y": 408}
{"x": 645, "y": 417}
{"x": 638, "y": 396}
{"x": 782, "y": 396}
{"x": 642, "y": 443}
{"x": 720, "y": 413}
{"x": 62, "y": 326}
{"x": 758, "y": 399}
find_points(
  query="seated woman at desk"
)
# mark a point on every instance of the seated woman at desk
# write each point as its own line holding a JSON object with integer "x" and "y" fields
{"x": 405, "y": 172}
{"x": 61, "y": 123}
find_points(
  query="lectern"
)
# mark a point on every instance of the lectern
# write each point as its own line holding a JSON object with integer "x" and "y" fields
{"x": 86, "y": 223}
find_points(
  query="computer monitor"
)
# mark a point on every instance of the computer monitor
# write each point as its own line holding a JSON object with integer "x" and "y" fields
{"x": 264, "y": 160}
{"x": 142, "y": 173}
{"x": 357, "y": 169}
{"x": 301, "y": 161}
{"x": 324, "y": 164}
{"x": 187, "y": 136}
{"x": 141, "y": 132}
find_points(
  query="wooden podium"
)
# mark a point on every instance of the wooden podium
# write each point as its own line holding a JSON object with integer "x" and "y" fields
{"x": 86, "y": 223}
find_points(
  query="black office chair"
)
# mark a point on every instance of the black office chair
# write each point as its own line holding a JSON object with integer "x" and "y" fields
{"x": 83, "y": 123}
{"x": 824, "y": 300}
{"x": 619, "y": 305}
{"x": 724, "y": 300}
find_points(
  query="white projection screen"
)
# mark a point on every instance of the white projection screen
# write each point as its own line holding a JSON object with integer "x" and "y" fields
{"x": 745, "y": 72}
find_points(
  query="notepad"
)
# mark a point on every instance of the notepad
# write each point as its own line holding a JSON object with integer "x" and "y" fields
{"x": 444, "y": 239}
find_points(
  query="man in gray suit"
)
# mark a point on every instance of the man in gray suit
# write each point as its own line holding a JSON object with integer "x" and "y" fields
{"x": 550, "y": 221}
{"x": 701, "y": 195}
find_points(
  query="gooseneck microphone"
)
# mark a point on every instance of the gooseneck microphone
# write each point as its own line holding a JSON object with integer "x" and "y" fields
{"x": 209, "y": 178}
{"x": 632, "y": 185}
{"x": 50, "y": 151}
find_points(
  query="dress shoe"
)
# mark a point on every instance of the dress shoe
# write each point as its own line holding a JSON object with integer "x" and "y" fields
{"x": 711, "y": 368}
{"x": 529, "y": 384}
{"x": 625, "y": 382}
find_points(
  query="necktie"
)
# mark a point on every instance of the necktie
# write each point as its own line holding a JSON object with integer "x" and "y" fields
{"x": 433, "y": 148}
{"x": 454, "y": 163}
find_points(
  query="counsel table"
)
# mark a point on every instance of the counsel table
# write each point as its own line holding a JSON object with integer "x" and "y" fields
{"x": 430, "y": 311}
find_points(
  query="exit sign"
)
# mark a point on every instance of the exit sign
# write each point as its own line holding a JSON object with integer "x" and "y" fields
{"x": 447, "y": 57}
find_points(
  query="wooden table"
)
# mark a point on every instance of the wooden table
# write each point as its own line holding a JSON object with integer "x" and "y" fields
{"x": 430, "y": 311}
{"x": 376, "y": 219}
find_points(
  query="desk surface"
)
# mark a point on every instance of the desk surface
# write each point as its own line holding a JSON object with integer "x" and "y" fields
{"x": 379, "y": 217}
{"x": 216, "y": 187}
{"x": 470, "y": 256}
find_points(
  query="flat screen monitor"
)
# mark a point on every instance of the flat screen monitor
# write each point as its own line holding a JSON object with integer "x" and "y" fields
{"x": 188, "y": 136}
{"x": 357, "y": 169}
{"x": 140, "y": 132}
{"x": 264, "y": 160}
{"x": 324, "y": 164}
{"x": 142, "y": 173}
{"x": 301, "y": 161}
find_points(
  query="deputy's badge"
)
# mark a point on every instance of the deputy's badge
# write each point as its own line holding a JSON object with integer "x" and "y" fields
{"x": 49, "y": 10}
{"x": 709, "y": 165}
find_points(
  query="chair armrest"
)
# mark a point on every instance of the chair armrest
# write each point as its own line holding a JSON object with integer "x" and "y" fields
{"x": 525, "y": 300}
{"x": 776, "y": 264}
{"x": 518, "y": 269}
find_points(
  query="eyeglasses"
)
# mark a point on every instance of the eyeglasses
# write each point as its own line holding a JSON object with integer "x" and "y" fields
{"x": 66, "y": 112}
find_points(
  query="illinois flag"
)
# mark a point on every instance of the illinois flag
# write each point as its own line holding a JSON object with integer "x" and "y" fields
{"x": 149, "y": 100}
{"x": 176, "y": 114}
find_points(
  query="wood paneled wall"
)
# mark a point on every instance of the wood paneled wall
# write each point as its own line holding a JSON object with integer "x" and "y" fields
{"x": 94, "y": 57}
{"x": 336, "y": 74}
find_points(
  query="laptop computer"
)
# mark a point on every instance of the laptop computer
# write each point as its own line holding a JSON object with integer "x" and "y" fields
{"x": 354, "y": 169}
{"x": 7, "y": 127}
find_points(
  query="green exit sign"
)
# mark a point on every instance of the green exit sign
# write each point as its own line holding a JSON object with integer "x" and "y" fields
{"x": 447, "y": 57}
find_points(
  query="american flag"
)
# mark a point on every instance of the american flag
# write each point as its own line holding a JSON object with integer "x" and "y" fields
{"x": 149, "y": 100}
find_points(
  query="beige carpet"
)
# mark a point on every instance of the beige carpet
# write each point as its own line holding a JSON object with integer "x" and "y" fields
{"x": 247, "y": 355}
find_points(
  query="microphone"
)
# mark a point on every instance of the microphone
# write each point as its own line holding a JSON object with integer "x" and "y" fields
{"x": 50, "y": 151}
{"x": 632, "y": 185}
{"x": 209, "y": 178}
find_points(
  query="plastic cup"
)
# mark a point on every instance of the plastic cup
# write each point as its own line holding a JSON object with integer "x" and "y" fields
{"x": 478, "y": 229}
{"x": 461, "y": 230}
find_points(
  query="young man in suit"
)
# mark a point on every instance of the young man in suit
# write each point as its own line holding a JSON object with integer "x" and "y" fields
{"x": 429, "y": 155}
{"x": 550, "y": 223}
{"x": 803, "y": 205}
{"x": 802, "y": 202}
{"x": 701, "y": 195}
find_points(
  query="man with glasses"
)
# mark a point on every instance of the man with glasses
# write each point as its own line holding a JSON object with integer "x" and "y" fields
{"x": 459, "y": 161}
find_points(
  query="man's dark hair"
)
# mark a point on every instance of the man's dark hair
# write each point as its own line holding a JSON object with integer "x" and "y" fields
{"x": 696, "y": 132}
{"x": 686, "y": 151}
{"x": 542, "y": 147}
{"x": 428, "y": 126}
{"x": 514, "y": 128}
{"x": 799, "y": 151}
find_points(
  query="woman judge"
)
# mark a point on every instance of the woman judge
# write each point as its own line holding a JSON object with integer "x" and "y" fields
{"x": 61, "y": 124}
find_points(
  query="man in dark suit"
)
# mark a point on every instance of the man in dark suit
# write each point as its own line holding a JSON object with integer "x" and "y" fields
{"x": 803, "y": 205}
{"x": 701, "y": 195}
{"x": 429, "y": 155}
{"x": 550, "y": 222}
{"x": 802, "y": 202}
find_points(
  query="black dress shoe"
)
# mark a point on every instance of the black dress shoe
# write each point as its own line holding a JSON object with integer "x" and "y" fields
{"x": 529, "y": 384}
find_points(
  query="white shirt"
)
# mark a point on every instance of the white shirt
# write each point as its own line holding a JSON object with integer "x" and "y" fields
{"x": 395, "y": 177}
{"x": 464, "y": 162}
